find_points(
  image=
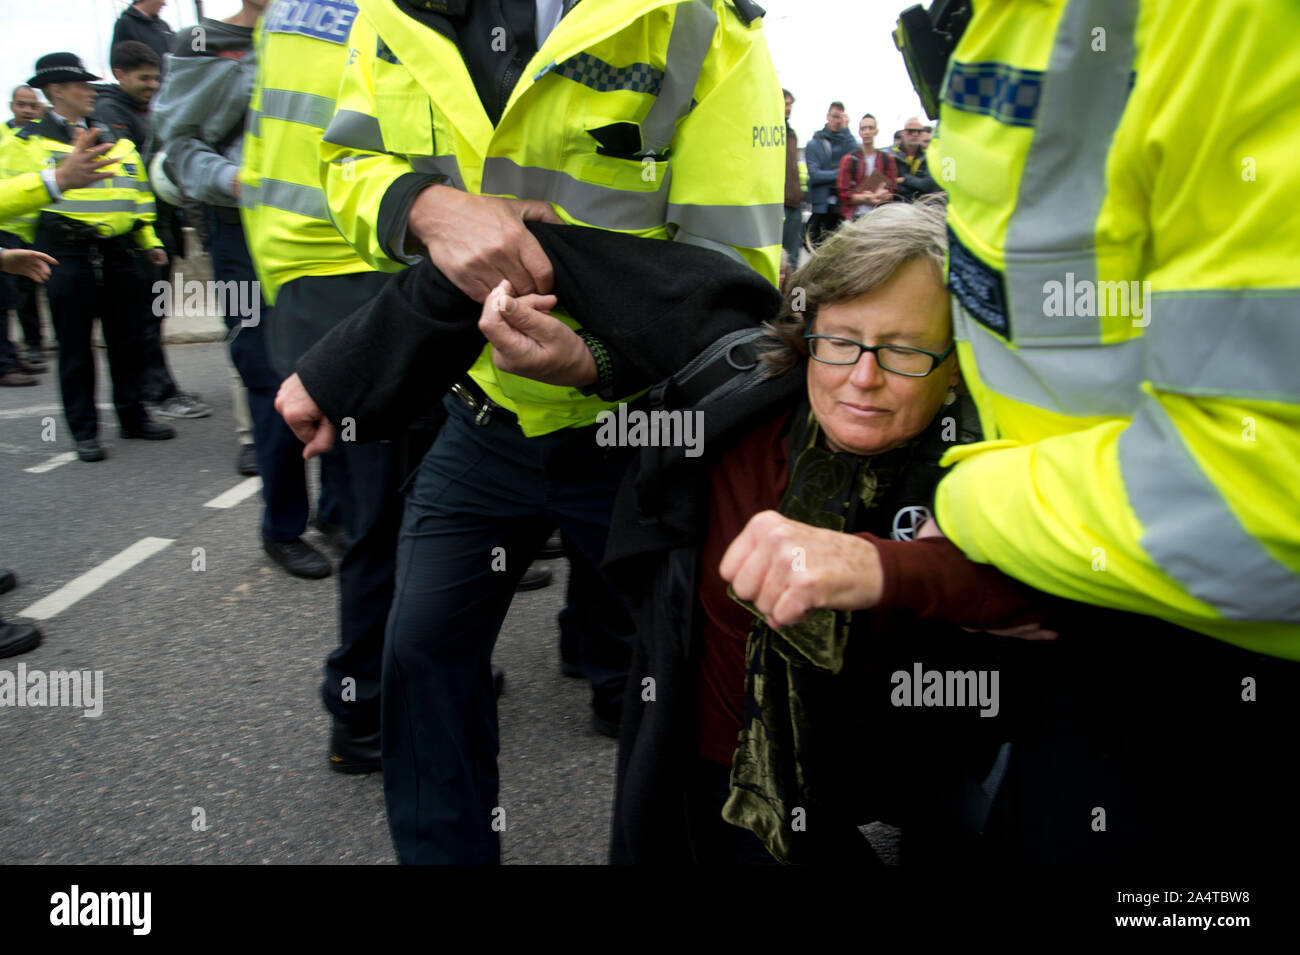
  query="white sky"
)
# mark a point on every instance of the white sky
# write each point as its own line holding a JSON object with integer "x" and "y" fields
{"x": 823, "y": 50}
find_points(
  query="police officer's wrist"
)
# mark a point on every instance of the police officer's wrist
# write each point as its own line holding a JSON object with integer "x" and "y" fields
{"x": 400, "y": 244}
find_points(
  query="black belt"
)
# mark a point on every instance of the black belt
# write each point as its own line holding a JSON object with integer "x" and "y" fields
{"x": 483, "y": 408}
{"x": 74, "y": 235}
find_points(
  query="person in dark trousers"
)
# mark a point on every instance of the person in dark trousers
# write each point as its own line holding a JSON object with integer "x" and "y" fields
{"x": 792, "y": 231}
{"x": 822, "y": 155}
{"x": 14, "y": 371}
{"x": 141, "y": 22}
{"x": 314, "y": 279}
{"x": 124, "y": 108}
{"x": 200, "y": 114}
{"x": 93, "y": 234}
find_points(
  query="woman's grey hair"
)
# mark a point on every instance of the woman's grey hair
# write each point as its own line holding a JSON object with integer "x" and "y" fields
{"x": 856, "y": 258}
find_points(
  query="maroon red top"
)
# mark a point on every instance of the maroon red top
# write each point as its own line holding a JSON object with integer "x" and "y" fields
{"x": 748, "y": 478}
{"x": 853, "y": 173}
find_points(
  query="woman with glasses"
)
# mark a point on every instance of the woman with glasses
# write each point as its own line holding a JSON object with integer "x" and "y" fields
{"x": 755, "y": 743}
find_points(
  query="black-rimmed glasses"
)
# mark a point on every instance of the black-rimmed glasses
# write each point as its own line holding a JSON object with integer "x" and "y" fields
{"x": 900, "y": 359}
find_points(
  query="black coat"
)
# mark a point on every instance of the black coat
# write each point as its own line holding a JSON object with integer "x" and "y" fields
{"x": 653, "y": 559}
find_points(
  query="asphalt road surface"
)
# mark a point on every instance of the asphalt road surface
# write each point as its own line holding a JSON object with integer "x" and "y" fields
{"x": 211, "y": 744}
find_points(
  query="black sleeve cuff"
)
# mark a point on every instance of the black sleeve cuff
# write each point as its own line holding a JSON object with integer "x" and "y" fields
{"x": 395, "y": 208}
{"x": 618, "y": 375}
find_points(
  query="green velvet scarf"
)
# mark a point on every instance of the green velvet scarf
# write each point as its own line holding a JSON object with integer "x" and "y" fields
{"x": 772, "y": 775}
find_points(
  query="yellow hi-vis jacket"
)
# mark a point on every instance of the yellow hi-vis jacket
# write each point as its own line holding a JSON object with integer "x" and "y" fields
{"x": 111, "y": 206}
{"x": 301, "y": 50}
{"x": 22, "y": 195}
{"x": 693, "y": 76}
{"x": 1127, "y": 306}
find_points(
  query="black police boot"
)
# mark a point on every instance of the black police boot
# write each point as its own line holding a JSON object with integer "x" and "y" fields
{"x": 535, "y": 577}
{"x": 16, "y": 638}
{"x": 352, "y": 751}
{"x": 148, "y": 429}
{"x": 90, "y": 450}
{"x": 298, "y": 558}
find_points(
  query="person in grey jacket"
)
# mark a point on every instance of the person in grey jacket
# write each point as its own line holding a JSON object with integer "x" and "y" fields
{"x": 124, "y": 107}
{"x": 822, "y": 155}
{"x": 200, "y": 114}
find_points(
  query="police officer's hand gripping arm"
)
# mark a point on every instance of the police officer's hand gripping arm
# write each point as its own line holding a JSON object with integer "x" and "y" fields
{"x": 390, "y": 214}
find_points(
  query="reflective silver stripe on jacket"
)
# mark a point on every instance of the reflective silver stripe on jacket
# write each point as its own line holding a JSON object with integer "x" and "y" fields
{"x": 694, "y": 24}
{"x": 295, "y": 107}
{"x": 1229, "y": 342}
{"x": 289, "y": 196}
{"x": 1051, "y": 231}
{"x": 690, "y": 238}
{"x": 1081, "y": 381}
{"x": 750, "y": 227}
{"x": 601, "y": 206}
{"x": 94, "y": 206}
{"x": 442, "y": 166}
{"x": 1214, "y": 342}
{"x": 355, "y": 130}
{"x": 1190, "y": 532}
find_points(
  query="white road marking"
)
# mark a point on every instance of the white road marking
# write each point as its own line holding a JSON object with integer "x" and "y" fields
{"x": 55, "y": 462}
{"x": 237, "y": 493}
{"x": 93, "y": 579}
{"x": 10, "y": 413}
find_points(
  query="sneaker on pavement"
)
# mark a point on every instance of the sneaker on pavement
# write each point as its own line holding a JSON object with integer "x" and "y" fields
{"x": 246, "y": 463}
{"x": 15, "y": 379}
{"x": 181, "y": 405}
